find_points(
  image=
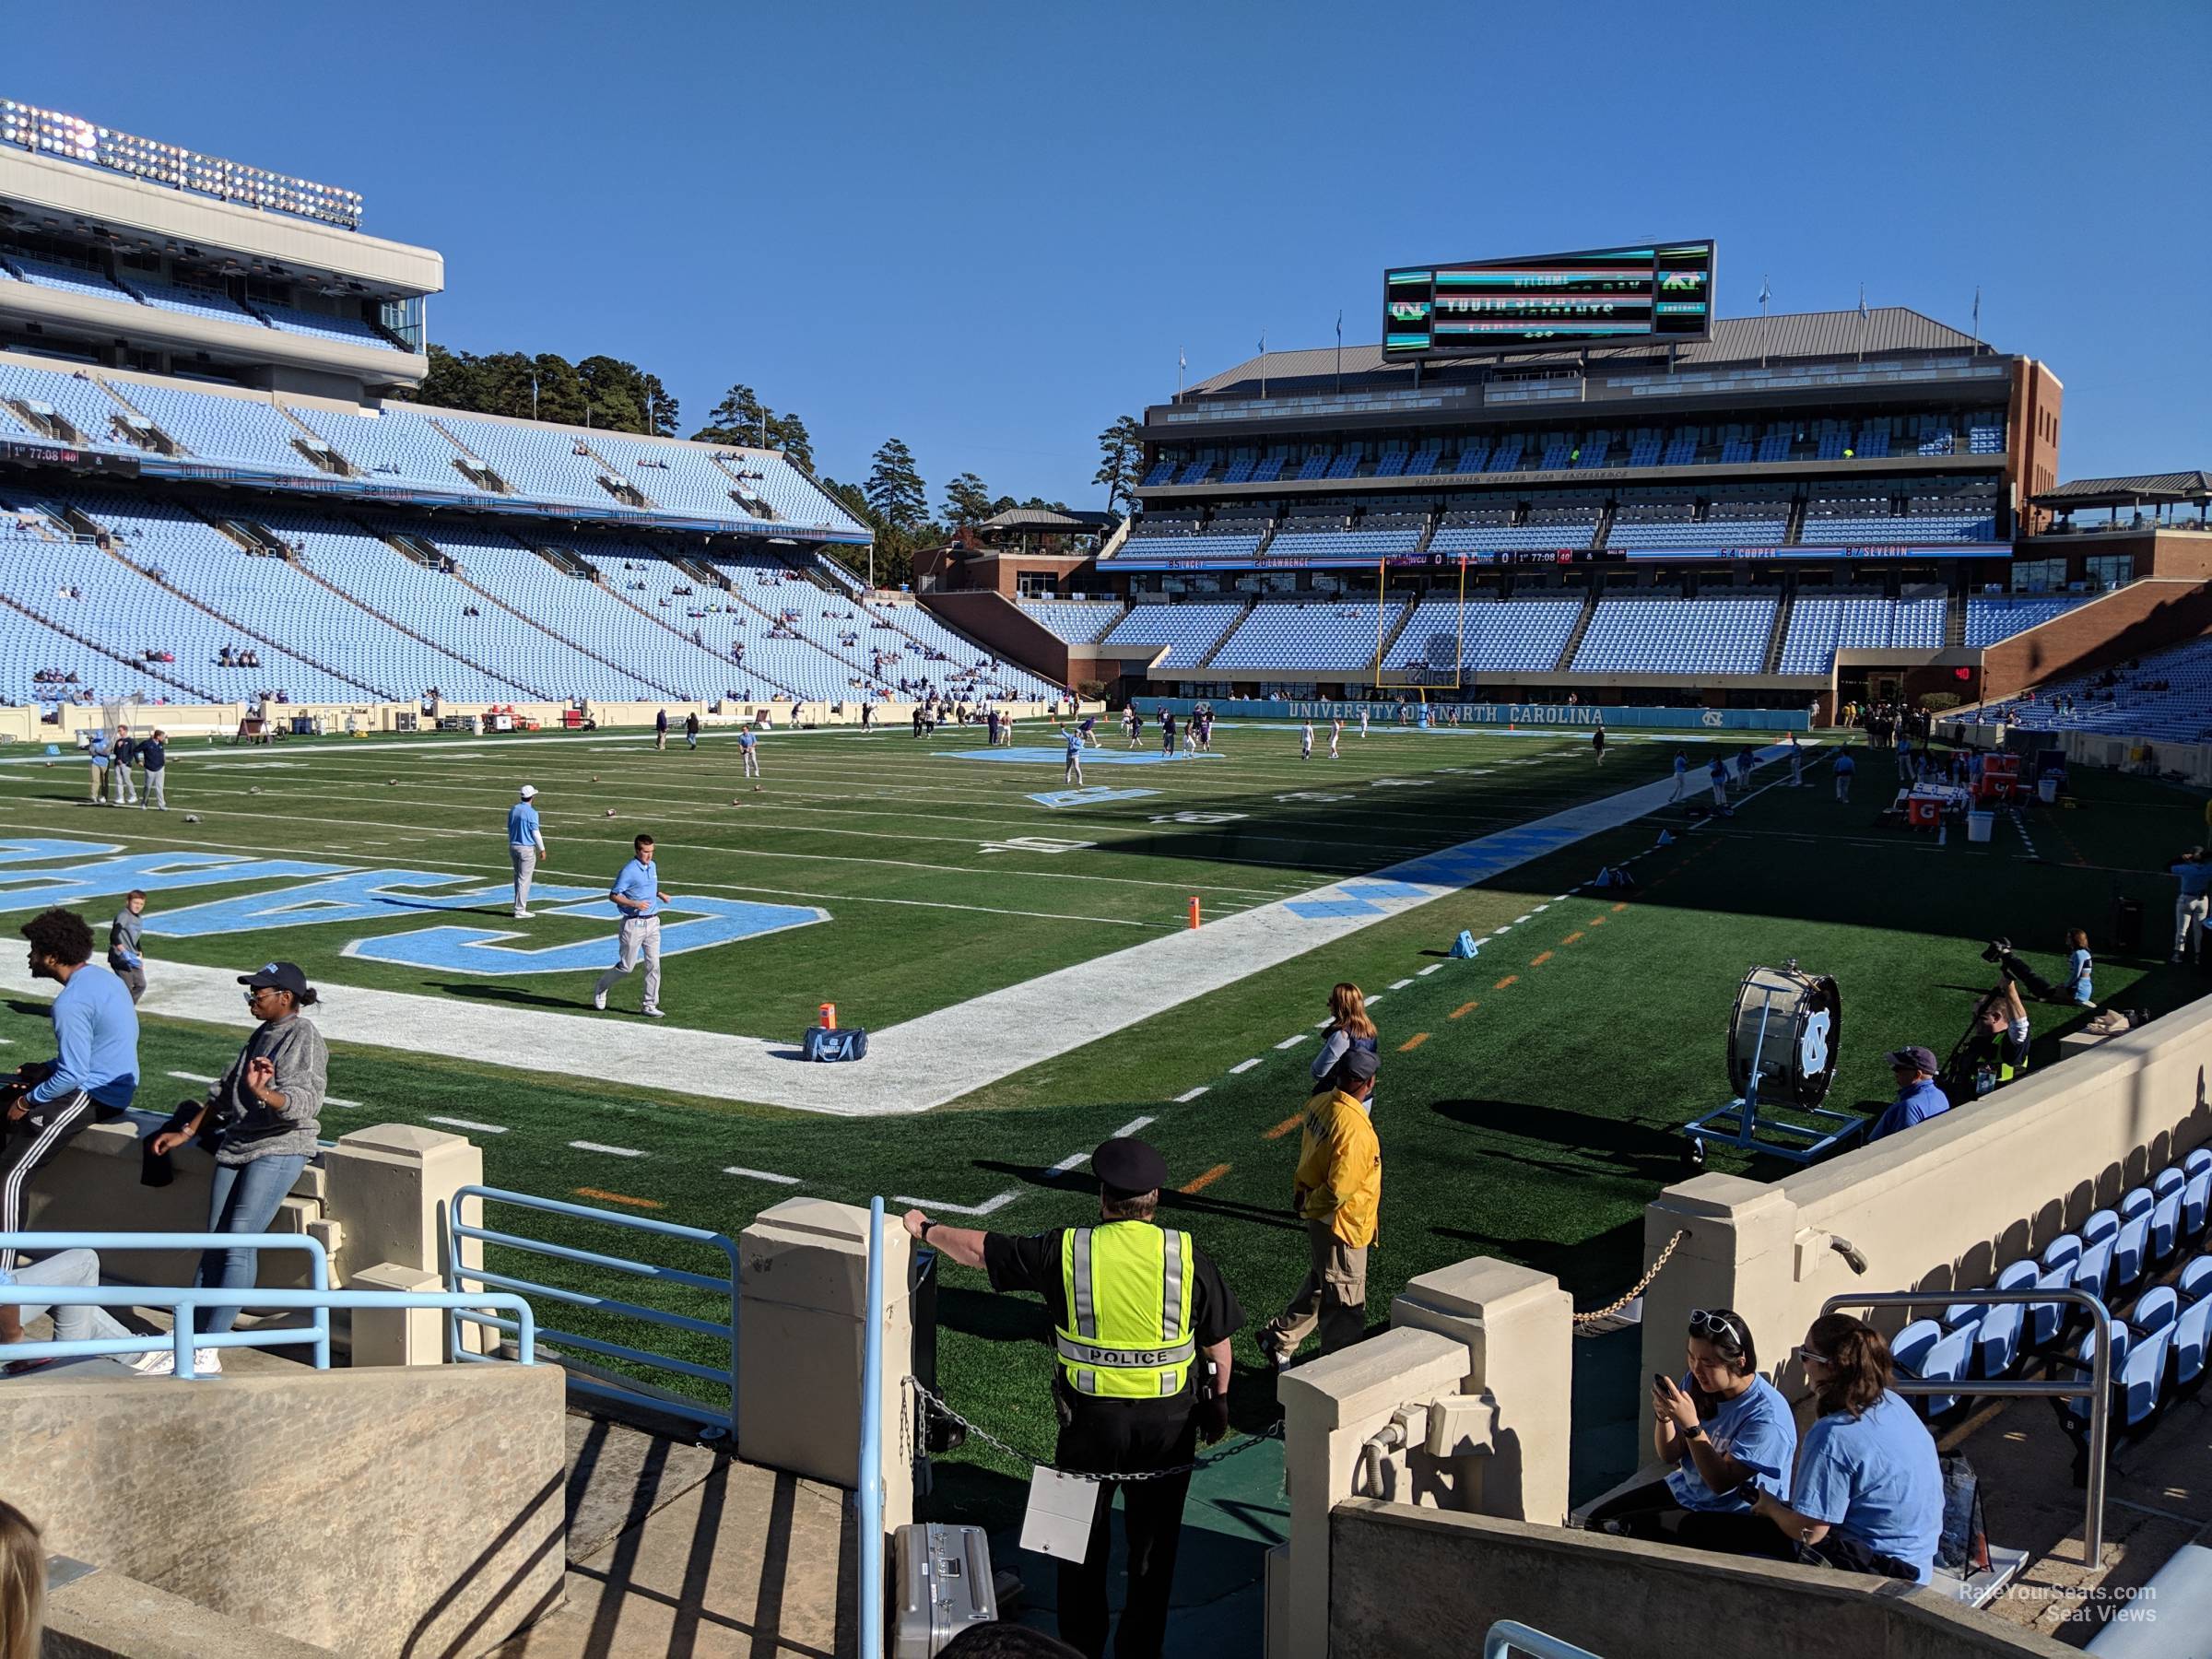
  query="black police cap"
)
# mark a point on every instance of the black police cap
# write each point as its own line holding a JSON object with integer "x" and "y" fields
{"x": 1129, "y": 1166}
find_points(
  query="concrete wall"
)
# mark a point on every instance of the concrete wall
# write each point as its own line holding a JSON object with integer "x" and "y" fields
{"x": 1944, "y": 1206}
{"x": 107, "y": 1615}
{"x": 1411, "y": 1583}
{"x": 376, "y": 1512}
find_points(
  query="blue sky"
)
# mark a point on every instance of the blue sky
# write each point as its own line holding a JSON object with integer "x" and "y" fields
{"x": 988, "y": 229}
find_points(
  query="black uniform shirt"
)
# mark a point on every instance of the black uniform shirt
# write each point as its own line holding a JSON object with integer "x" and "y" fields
{"x": 1033, "y": 1263}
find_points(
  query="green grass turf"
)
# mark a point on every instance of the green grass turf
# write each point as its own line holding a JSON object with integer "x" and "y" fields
{"x": 1531, "y": 1119}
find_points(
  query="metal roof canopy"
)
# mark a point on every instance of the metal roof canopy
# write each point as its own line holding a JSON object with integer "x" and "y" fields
{"x": 2142, "y": 489}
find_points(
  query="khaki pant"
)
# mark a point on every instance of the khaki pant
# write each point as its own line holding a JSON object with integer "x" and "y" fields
{"x": 640, "y": 940}
{"x": 525, "y": 866}
{"x": 1334, "y": 1297}
{"x": 157, "y": 779}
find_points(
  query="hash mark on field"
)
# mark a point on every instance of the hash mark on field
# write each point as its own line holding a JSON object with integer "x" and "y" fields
{"x": 619, "y": 1198}
{"x": 1188, "y": 1095}
{"x": 1205, "y": 1181}
{"x": 1374, "y": 999}
{"x": 1433, "y": 968}
{"x": 1243, "y": 1065}
{"x": 1069, "y": 1163}
{"x": 1545, "y": 906}
{"x": 1131, "y": 1127}
{"x": 338, "y": 1100}
{"x": 984, "y": 1208}
{"x": 1323, "y": 1025}
{"x": 190, "y": 1077}
{"x": 1466, "y": 1007}
{"x": 611, "y": 1151}
{"x": 1284, "y": 1127}
{"x": 1503, "y": 983}
{"x": 760, "y": 1175}
{"x": 1621, "y": 906}
{"x": 1413, "y": 1042}
{"x": 1571, "y": 937}
{"x": 1597, "y": 920}
{"x": 1518, "y": 919}
{"x": 1400, "y": 985}
{"x": 471, "y": 1124}
{"x": 1541, "y": 958}
{"x": 1291, "y": 1041}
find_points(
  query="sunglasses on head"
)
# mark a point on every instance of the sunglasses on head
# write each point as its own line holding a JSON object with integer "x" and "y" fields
{"x": 1716, "y": 1328}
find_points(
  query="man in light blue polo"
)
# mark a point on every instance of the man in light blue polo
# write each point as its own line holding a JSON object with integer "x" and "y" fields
{"x": 526, "y": 846}
{"x": 2194, "y": 874}
{"x": 638, "y": 896}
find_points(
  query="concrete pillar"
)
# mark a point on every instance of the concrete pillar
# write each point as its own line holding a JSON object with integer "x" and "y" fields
{"x": 1741, "y": 1254}
{"x": 803, "y": 1267}
{"x": 1330, "y": 1407}
{"x": 1517, "y": 1327}
{"x": 397, "y": 1335}
{"x": 389, "y": 1188}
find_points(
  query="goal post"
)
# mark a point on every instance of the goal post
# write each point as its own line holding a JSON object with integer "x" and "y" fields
{"x": 1432, "y": 658}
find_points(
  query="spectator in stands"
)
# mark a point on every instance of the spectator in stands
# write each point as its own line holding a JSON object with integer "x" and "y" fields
{"x": 125, "y": 962}
{"x": 1338, "y": 1192}
{"x": 1918, "y": 1097}
{"x": 1845, "y": 767}
{"x": 81, "y": 1321}
{"x": 1867, "y": 1496}
{"x": 2079, "y": 967}
{"x": 1349, "y": 1028}
{"x": 1726, "y": 1432}
{"x": 261, "y": 1117}
{"x": 22, "y": 1586}
{"x": 2195, "y": 875}
{"x": 95, "y": 1068}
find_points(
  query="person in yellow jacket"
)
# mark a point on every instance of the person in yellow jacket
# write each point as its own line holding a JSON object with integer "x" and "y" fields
{"x": 1338, "y": 1192}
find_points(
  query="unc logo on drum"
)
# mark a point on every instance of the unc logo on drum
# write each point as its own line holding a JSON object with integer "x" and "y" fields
{"x": 1812, "y": 1046}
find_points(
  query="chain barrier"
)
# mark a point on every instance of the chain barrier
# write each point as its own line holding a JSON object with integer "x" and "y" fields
{"x": 934, "y": 1402}
{"x": 1639, "y": 1288}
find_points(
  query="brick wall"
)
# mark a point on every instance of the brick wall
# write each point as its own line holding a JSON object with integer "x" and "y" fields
{"x": 2139, "y": 617}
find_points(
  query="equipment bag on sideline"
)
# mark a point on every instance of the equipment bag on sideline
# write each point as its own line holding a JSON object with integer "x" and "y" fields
{"x": 823, "y": 1043}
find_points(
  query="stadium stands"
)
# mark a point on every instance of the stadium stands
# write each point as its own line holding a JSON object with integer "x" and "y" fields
{"x": 1990, "y": 621}
{"x": 325, "y": 326}
{"x": 223, "y": 428}
{"x": 395, "y": 446}
{"x": 1325, "y": 636}
{"x": 1821, "y": 624}
{"x": 1192, "y": 627}
{"x": 1515, "y": 636}
{"x": 2164, "y": 695}
{"x": 1655, "y": 634}
{"x": 1078, "y": 621}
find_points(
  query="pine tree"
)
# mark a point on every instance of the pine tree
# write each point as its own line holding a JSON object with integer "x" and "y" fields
{"x": 967, "y": 502}
{"x": 1121, "y": 453}
{"x": 896, "y": 491}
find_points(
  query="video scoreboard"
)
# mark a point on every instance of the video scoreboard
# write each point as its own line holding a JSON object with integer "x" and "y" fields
{"x": 1654, "y": 294}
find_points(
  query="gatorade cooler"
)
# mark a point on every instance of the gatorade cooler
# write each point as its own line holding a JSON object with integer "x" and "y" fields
{"x": 1924, "y": 814}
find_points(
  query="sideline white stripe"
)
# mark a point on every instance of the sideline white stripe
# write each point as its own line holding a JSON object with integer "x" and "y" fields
{"x": 614, "y": 1151}
{"x": 1400, "y": 985}
{"x": 1243, "y": 1065}
{"x": 471, "y": 1124}
{"x": 1131, "y": 1127}
{"x": 760, "y": 1175}
{"x": 933, "y": 1205}
{"x": 1291, "y": 1041}
{"x": 1188, "y": 1095}
{"x": 1433, "y": 968}
{"x": 190, "y": 1077}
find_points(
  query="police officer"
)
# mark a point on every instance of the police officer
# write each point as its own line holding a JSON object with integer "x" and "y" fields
{"x": 1142, "y": 1323}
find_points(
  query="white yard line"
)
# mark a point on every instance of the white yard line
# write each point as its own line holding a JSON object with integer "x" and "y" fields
{"x": 740, "y": 1169}
{"x": 1400, "y": 985}
{"x": 1188, "y": 1095}
{"x": 1433, "y": 968}
{"x": 1291, "y": 1041}
{"x": 453, "y": 1123}
{"x": 1243, "y": 1065}
{"x": 611, "y": 1151}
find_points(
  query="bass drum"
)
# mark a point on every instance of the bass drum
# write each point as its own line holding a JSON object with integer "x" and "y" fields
{"x": 1793, "y": 1022}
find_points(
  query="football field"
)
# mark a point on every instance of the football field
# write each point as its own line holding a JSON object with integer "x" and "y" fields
{"x": 1530, "y": 1098}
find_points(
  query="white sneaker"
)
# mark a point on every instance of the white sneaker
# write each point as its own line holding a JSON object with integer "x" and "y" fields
{"x": 206, "y": 1362}
{"x": 524, "y": 915}
{"x": 653, "y": 1013}
{"x": 599, "y": 1000}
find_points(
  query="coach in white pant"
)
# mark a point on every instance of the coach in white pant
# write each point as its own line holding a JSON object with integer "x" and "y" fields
{"x": 638, "y": 896}
{"x": 526, "y": 846}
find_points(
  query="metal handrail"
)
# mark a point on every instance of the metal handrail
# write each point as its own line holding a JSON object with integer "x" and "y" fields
{"x": 1510, "y": 1636}
{"x": 2098, "y": 1387}
{"x": 867, "y": 1488}
{"x": 184, "y": 1342}
{"x": 717, "y": 1424}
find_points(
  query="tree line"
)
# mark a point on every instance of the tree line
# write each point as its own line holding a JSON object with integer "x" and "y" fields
{"x": 612, "y": 395}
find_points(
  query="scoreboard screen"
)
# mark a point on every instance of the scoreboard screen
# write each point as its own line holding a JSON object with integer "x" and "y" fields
{"x": 1654, "y": 294}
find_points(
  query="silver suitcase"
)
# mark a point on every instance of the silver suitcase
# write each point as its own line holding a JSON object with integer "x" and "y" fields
{"x": 944, "y": 1586}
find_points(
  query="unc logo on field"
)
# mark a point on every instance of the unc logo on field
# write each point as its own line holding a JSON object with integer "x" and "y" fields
{"x": 690, "y": 920}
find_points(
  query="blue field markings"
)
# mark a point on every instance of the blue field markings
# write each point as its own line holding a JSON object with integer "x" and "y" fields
{"x": 1093, "y": 795}
{"x": 1331, "y": 909}
{"x": 1058, "y": 757}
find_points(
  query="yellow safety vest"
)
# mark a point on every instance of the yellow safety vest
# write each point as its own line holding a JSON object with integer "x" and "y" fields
{"x": 1127, "y": 1335}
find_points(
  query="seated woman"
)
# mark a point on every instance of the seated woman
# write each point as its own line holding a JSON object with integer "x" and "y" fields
{"x": 1729, "y": 1434}
{"x": 1868, "y": 1491}
{"x": 263, "y": 1110}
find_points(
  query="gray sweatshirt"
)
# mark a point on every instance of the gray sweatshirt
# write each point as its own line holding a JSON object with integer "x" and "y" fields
{"x": 251, "y": 1130}
{"x": 123, "y": 937}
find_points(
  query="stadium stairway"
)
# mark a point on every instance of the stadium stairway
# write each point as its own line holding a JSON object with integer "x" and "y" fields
{"x": 1772, "y": 662}
{"x": 262, "y": 544}
{"x": 1574, "y": 634}
{"x": 398, "y": 627}
{"x": 460, "y": 575}
{"x": 1954, "y": 620}
{"x": 481, "y": 471}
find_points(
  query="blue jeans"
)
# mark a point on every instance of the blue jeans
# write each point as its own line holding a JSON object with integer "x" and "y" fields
{"x": 77, "y": 1269}
{"x": 244, "y": 1200}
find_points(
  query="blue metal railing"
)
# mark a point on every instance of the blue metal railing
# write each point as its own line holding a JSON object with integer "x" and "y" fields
{"x": 867, "y": 1489}
{"x": 717, "y": 1423}
{"x": 182, "y": 1301}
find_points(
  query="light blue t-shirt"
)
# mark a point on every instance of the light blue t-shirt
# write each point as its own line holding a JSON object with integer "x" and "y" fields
{"x": 1754, "y": 1428}
{"x": 2078, "y": 977}
{"x": 522, "y": 825}
{"x": 1875, "y": 1478}
{"x": 1074, "y": 744}
{"x": 96, "y": 1032}
{"x": 1846, "y": 765}
{"x": 1681, "y": 764}
{"x": 637, "y": 882}
{"x": 747, "y": 739}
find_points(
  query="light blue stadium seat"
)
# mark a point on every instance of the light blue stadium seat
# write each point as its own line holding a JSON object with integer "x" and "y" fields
{"x": 1078, "y": 621}
{"x": 2081, "y": 1364}
{"x": 2198, "y": 1162}
{"x": 1948, "y": 1359}
{"x": 2168, "y": 1180}
{"x": 2196, "y": 1195}
{"x": 2143, "y": 1377}
{"x": 2195, "y": 1283}
{"x": 2094, "y": 1271}
{"x": 2100, "y": 1225}
{"x": 2166, "y": 1227}
{"x": 2190, "y": 1331}
{"x": 2131, "y": 1253}
{"x": 2136, "y": 1201}
{"x": 1910, "y": 1348}
{"x": 1192, "y": 628}
{"x": 1997, "y": 1339}
{"x": 1337, "y": 636}
{"x": 2066, "y": 1248}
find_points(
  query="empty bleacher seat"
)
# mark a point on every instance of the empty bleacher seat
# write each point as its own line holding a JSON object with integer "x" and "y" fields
{"x": 1660, "y": 634}
{"x": 1078, "y": 621}
{"x": 1192, "y": 628}
{"x": 1340, "y": 636}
